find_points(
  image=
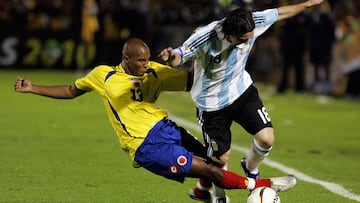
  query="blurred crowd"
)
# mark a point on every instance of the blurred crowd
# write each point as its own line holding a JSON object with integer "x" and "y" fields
{"x": 316, "y": 51}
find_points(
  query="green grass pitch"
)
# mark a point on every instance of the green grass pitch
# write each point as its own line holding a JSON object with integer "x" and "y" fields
{"x": 65, "y": 150}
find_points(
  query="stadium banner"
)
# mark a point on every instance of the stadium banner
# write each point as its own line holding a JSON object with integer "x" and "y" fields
{"x": 48, "y": 50}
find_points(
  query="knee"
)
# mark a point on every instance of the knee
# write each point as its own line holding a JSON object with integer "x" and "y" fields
{"x": 265, "y": 138}
{"x": 263, "y": 142}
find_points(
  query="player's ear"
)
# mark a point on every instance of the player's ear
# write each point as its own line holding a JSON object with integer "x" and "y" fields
{"x": 125, "y": 58}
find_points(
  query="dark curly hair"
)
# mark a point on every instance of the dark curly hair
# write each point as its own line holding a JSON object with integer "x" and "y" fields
{"x": 238, "y": 22}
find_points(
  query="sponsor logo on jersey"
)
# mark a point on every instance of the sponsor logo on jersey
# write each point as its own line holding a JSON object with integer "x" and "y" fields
{"x": 174, "y": 169}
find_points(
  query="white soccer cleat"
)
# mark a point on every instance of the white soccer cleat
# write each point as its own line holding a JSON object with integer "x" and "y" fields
{"x": 281, "y": 184}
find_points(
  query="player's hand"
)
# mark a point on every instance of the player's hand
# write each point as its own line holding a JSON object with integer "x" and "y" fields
{"x": 22, "y": 84}
{"x": 167, "y": 54}
{"x": 315, "y": 2}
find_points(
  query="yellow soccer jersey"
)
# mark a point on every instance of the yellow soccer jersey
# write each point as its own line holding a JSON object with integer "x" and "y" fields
{"x": 130, "y": 100}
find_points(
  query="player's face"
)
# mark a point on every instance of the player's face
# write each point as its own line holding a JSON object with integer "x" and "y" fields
{"x": 138, "y": 62}
{"x": 240, "y": 39}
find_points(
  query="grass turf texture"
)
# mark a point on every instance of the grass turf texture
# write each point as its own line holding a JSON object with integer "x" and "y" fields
{"x": 66, "y": 151}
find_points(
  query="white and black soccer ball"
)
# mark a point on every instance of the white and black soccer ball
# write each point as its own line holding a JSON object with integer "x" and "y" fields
{"x": 263, "y": 195}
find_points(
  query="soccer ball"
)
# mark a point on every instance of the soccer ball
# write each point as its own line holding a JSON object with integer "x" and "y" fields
{"x": 263, "y": 195}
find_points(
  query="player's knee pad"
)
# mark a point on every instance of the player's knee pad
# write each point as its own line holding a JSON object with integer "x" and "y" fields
{"x": 261, "y": 151}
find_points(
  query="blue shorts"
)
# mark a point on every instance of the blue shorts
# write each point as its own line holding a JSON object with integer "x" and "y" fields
{"x": 162, "y": 153}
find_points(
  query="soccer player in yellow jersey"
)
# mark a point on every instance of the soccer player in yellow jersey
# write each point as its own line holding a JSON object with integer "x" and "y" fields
{"x": 129, "y": 92}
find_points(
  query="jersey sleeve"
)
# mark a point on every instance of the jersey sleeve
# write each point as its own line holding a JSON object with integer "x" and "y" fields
{"x": 94, "y": 80}
{"x": 198, "y": 40}
{"x": 171, "y": 79}
{"x": 263, "y": 20}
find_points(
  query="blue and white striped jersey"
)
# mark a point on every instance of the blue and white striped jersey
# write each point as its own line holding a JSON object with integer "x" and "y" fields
{"x": 219, "y": 67}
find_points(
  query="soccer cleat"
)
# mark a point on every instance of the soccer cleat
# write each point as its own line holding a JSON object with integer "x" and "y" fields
{"x": 200, "y": 195}
{"x": 255, "y": 176}
{"x": 281, "y": 184}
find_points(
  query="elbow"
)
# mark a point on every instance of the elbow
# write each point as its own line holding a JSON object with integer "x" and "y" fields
{"x": 74, "y": 92}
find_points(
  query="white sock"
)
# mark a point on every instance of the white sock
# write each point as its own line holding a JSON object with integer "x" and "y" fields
{"x": 255, "y": 157}
{"x": 251, "y": 184}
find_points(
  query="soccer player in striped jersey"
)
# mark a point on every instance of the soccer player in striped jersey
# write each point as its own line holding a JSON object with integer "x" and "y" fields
{"x": 152, "y": 141}
{"x": 223, "y": 90}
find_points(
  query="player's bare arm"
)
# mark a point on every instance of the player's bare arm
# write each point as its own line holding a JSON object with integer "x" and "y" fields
{"x": 292, "y": 10}
{"x": 58, "y": 92}
{"x": 169, "y": 56}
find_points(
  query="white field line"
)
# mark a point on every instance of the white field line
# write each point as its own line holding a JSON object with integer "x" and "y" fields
{"x": 332, "y": 187}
